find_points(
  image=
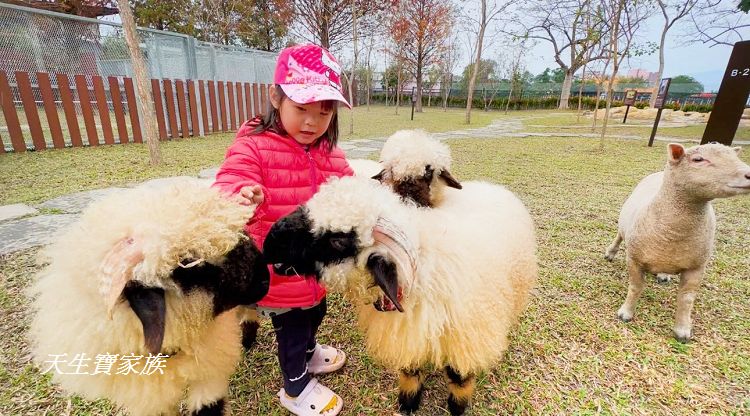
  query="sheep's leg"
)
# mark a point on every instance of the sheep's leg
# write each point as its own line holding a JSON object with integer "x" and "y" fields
{"x": 686, "y": 294}
{"x": 208, "y": 397}
{"x": 249, "y": 333}
{"x": 613, "y": 248}
{"x": 460, "y": 390}
{"x": 635, "y": 287}
{"x": 410, "y": 390}
{"x": 213, "y": 409}
{"x": 250, "y": 325}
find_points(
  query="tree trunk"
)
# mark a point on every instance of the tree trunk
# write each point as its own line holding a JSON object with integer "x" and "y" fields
{"x": 565, "y": 93}
{"x": 510, "y": 94}
{"x": 142, "y": 81}
{"x": 615, "y": 67}
{"x": 418, "y": 106}
{"x": 354, "y": 66}
{"x": 447, "y": 93}
{"x": 475, "y": 70}
{"x": 398, "y": 88}
{"x": 598, "y": 91}
{"x": 655, "y": 91}
{"x": 580, "y": 91}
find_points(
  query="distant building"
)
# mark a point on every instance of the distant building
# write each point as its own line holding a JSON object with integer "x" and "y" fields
{"x": 651, "y": 77}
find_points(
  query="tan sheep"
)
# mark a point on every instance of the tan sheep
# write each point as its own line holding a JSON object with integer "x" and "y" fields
{"x": 148, "y": 273}
{"x": 668, "y": 222}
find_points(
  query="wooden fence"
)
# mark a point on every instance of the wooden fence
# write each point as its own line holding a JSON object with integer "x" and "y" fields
{"x": 183, "y": 108}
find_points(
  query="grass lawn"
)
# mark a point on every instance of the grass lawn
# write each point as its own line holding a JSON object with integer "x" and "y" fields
{"x": 634, "y": 127}
{"x": 33, "y": 177}
{"x": 569, "y": 355}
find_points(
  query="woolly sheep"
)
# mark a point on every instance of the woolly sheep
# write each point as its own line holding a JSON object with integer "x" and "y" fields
{"x": 417, "y": 167}
{"x": 365, "y": 167}
{"x": 460, "y": 274}
{"x": 144, "y": 272}
{"x": 668, "y": 223}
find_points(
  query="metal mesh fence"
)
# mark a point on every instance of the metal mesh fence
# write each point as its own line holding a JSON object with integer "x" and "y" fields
{"x": 34, "y": 40}
{"x": 39, "y": 41}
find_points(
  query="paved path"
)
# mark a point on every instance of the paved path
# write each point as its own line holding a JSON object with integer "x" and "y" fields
{"x": 23, "y": 226}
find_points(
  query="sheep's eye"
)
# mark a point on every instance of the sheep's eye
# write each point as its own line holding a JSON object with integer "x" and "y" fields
{"x": 697, "y": 158}
{"x": 339, "y": 244}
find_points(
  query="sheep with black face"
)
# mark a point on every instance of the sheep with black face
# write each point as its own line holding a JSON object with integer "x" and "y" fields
{"x": 148, "y": 272}
{"x": 417, "y": 167}
{"x": 440, "y": 287}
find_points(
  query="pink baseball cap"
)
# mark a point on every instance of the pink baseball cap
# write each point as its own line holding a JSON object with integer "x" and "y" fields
{"x": 309, "y": 73}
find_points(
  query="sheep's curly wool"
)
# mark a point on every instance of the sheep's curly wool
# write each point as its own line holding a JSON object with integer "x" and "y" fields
{"x": 476, "y": 264}
{"x": 422, "y": 150}
{"x": 365, "y": 167}
{"x": 187, "y": 220}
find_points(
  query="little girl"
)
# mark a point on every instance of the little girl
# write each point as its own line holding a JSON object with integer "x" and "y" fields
{"x": 278, "y": 162}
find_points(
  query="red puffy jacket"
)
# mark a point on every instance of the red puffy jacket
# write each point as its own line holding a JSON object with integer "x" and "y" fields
{"x": 289, "y": 175}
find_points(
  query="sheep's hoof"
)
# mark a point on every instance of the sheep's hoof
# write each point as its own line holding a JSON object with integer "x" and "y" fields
{"x": 683, "y": 335}
{"x": 409, "y": 404}
{"x": 457, "y": 406}
{"x": 609, "y": 256}
{"x": 663, "y": 278}
{"x": 624, "y": 315}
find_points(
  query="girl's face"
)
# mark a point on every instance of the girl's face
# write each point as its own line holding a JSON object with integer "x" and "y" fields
{"x": 304, "y": 122}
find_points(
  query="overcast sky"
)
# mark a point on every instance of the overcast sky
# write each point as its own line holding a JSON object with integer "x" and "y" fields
{"x": 705, "y": 64}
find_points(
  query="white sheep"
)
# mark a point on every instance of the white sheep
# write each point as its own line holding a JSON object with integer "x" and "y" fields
{"x": 668, "y": 223}
{"x": 417, "y": 167}
{"x": 461, "y": 274}
{"x": 144, "y": 272}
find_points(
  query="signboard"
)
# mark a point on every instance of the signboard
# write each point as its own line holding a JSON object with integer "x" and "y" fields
{"x": 732, "y": 97}
{"x": 630, "y": 97}
{"x": 661, "y": 96}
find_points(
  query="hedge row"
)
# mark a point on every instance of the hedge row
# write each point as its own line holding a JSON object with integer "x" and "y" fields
{"x": 526, "y": 103}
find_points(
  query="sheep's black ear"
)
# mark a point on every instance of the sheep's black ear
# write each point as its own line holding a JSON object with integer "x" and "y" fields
{"x": 386, "y": 277}
{"x": 150, "y": 307}
{"x": 379, "y": 176}
{"x": 450, "y": 180}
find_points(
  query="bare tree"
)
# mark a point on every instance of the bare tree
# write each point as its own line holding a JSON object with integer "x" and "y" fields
{"x": 486, "y": 17}
{"x": 599, "y": 79}
{"x": 141, "y": 79}
{"x": 354, "y": 65}
{"x": 369, "y": 48}
{"x": 447, "y": 65}
{"x": 719, "y": 22}
{"x": 626, "y": 17}
{"x": 514, "y": 70}
{"x": 329, "y": 22}
{"x": 573, "y": 29}
{"x": 681, "y": 9}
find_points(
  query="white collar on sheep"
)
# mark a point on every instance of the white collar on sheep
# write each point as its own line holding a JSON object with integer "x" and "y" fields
{"x": 396, "y": 243}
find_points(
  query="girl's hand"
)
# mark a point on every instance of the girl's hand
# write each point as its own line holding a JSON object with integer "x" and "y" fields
{"x": 251, "y": 195}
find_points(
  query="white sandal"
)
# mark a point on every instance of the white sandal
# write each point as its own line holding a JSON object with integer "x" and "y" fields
{"x": 325, "y": 359}
{"x": 315, "y": 400}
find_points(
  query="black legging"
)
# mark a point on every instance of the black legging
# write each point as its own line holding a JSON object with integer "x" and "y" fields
{"x": 295, "y": 335}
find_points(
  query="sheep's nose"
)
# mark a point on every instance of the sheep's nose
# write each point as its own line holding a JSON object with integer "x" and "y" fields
{"x": 747, "y": 175}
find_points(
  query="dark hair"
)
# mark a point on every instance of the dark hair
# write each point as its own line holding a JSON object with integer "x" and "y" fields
{"x": 272, "y": 121}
